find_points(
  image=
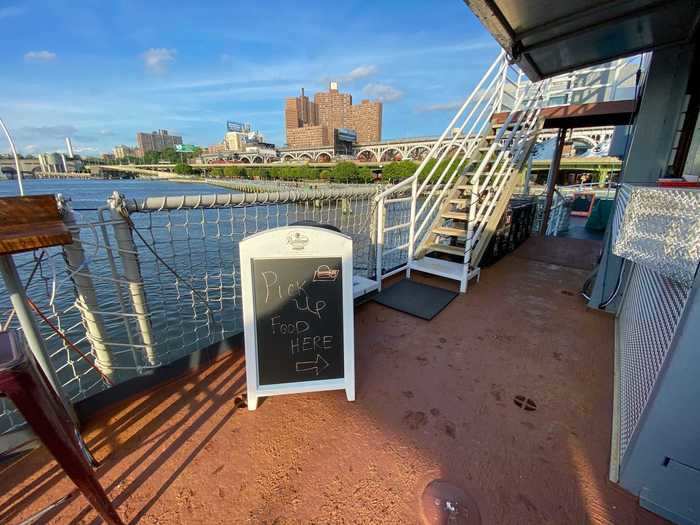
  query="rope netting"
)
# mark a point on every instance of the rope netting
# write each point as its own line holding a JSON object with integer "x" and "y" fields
{"x": 147, "y": 283}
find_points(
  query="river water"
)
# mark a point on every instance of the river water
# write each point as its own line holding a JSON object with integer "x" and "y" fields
{"x": 94, "y": 193}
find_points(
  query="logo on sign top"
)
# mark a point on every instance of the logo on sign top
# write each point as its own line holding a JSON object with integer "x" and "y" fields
{"x": 297, "y": 240}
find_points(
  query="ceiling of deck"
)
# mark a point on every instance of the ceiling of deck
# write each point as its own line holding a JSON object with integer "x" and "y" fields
{"x": 550, "y": 37}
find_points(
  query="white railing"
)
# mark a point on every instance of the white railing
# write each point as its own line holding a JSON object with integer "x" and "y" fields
{"x": 501, "y": 89}
{"x": 437, "y": 172}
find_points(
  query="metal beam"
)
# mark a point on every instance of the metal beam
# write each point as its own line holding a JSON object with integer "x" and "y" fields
{"x": 552, "y": 178}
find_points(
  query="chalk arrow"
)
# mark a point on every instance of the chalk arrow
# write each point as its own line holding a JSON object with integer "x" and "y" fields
{"x": 309, "y": 366}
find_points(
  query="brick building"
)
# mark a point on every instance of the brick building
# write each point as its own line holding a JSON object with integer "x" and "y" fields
{"x": 366, "y": 120}
{"x": 157, "y": 140}
{"x": 333, "y": 107}
{"x": 308, "y": 137}
{"x": 313, "y": 124}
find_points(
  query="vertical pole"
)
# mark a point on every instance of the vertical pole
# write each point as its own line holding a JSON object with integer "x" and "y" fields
{"x": 132, "y": 274}
{"x": 552, "y": 178}
{"x": 30, "y": 328}
{"x": 528, "y": 174}
{"x": 85, "y": 293}
{"x": 380, "y": 242}
{"x": 412, "y": 224}
{"x": 469, "y": 243}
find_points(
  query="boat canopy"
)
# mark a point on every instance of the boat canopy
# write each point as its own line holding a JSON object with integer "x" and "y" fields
{"x": 549, "y": 37}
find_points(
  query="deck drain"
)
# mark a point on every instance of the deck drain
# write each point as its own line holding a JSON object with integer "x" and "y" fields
{"x": 443, "y": 503}
{"x": 567, "y": 292}
{"x": 525, "y": 403}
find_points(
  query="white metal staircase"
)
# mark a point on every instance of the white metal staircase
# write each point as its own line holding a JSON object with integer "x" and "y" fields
{"x": 461, "y": 189}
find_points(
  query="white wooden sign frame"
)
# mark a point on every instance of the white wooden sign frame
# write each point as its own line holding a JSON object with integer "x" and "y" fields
{"x": 297, "y": 242}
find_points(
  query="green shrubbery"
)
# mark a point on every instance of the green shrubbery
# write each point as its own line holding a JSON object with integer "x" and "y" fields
{"x": 341, "y": 172}
{"x": 183, "y": 169}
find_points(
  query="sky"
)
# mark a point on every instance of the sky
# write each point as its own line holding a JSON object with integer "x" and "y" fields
{"x": 101, "y": 71}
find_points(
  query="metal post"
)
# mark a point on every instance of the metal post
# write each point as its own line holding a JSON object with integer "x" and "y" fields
{"x": 412, "y": 225}
{"x": 20, "y": 179}
{"x": 552, "y": 178}
{"x": 132, "y": 274}
{"x": 30, "y": 328}
{"x": 528, "y": 174}
{"x": 380, "y": 242}
{"x": 85, "y": 293}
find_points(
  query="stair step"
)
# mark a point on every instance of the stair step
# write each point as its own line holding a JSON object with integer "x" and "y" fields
{"x": 464, "y": 187}
{"x": 456, "y": 215}
{"x": 443, "y": 248}
{"x": 448, "y": 231}
{"x": 459, "y": 202}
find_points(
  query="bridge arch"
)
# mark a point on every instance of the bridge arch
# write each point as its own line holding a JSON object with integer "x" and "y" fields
{"x": 244, "y": 159}
{"x": 391, "y": 154}
{"x": 323, "y": 157}
{"x": 288, "y": 157}
{"x": 257, "y": 159}
{"x": 305, "y": 157}
{"x": 367, "y": 155}
{"x": 418, "y": 152}
{"x": 591, "y": 143}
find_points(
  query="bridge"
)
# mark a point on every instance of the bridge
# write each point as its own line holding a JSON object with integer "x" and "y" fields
{"x": 416, "y": 149}
{"x": 31, "y": 168}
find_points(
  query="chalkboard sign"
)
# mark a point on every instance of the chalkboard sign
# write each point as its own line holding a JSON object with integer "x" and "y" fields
{"x": 297, "y": 311}
{"x": 298, "y": 319}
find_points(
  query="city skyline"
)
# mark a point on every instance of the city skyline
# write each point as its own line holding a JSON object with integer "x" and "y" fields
{"x": 143, "y": 70}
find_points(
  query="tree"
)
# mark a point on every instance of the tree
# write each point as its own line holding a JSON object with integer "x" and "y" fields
{"x": 236, "y": 172}
{"x": 397, "y": 171}
{"x": 344, "y": 172}
{"x": 151, "y": 157}
{"x": 183, "y": 169}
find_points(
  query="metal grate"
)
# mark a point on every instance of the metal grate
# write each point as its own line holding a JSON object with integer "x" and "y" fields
{"x": 660, "y": 229}
{"x": 646, "y": 324}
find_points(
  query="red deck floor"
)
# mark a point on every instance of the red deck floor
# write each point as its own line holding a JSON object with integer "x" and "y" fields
{"x": 434, "y": 400}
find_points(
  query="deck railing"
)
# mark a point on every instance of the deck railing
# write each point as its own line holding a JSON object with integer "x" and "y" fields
{"x": 147, "y": 282}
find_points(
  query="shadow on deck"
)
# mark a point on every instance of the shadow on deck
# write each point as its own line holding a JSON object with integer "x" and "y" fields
{"x": 434, "y": 400}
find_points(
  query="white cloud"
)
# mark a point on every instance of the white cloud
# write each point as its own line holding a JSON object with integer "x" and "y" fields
{"x": 40, "y": 56}
{"x": 12, "y": 10}
{"x": 157, "y": 59}
{"x": 382, "y": 92}
{"x": 444, "y": 106}
{"x": 359, "y": 72}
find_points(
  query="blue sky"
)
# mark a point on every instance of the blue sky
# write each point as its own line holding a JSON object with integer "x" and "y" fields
{"x": 100, "y": 71}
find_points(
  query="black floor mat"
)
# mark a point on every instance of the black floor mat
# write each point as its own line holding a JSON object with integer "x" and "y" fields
{"x": 417, "y": 299}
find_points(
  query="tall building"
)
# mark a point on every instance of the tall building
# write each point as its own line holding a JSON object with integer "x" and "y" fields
{"x": 157, "y": 140}
{"x": 314, "y": 124}
{"x": 300, "y": 112}
{"x": 333, "y": 107}
{"x": 366, "y": 120}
